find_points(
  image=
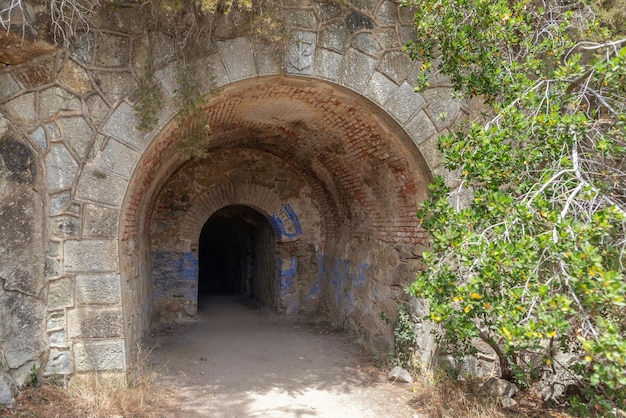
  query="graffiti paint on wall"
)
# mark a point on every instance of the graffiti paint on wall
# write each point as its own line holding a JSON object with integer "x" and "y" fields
{"x": 286, "y": 223}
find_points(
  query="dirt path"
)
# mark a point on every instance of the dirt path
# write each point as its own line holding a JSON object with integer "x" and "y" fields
{"x": 237, "y": 360}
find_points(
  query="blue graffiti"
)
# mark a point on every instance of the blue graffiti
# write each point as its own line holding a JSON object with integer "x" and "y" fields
{"x": 344, "y": 279}
{"x": 287, "y": 275}
{"x": 279, "y": 225}
{"x": 175, "y": 274}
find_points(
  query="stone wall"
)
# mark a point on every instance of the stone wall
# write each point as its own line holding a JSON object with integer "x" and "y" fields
{"x": 324, "y": 125}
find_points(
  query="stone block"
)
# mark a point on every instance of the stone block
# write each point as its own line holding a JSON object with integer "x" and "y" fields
{"x": 404, "y": 103}
{"x": 238, "y": 58}
{"x": 163, "y": 48}
{"x": 100, "y": 222}
{"x": 112, "y": 50}
{"x": 95, "y": 322}
{"x": 8, "y": 86}
{"x": 38, "y": 137}
{"x": 98, "y": 109}
{"x": 300, "y": 53}
{"x": 367, "y": 43}
{"x": 57, "y": 338}
{"x": 59, "y": 203}
{"x": 300, "y": 19}
{"x": 55, "y": 321}
{"x": 122, "y": 125}
{"x": 420, "y": 128}
{"x": 396, "y": 65}
{"x": 213, "y": 72}
{"x": 167, "y": 77}
{"x": 442, "y": 107}
{"x": 97, "y": 186}
{"x": 430, "y": 152}
{"x": 334, "y": 37}
{"x": 94, "y": 289}
{"x": 60, "y": 293}
{"x": 75, "y": 78}
{"x": 61, "y": 167}
{"x": 100, "y": 355}
{"x": 65, "y": 226}
{"x": 56, "y": 99}
{"x": 269, "y": 58}
{"x": 59, "y": 362}
{"x": 380, "y": 88}
{"x": 388, "y": 37}
{"x": 22, "y": 108}
{"x": 328, "y": 64}
{"x": 387, "y": 13}
{"x": 356, "y": 71}
{"x": 83, "y": 46}
{"x": 116, "y": 85}
{"x": 118, "y": 158}
{"x": 326, "y": 11}
{"x": 78, "y": 133}
{"x": 90, "y": 256}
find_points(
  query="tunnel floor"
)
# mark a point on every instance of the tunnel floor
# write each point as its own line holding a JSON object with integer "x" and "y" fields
{"x": 240, "y": 360}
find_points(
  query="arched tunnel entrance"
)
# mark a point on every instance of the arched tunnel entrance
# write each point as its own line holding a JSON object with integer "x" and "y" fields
{"x": 236, "y": 256}
{"x": 310, "y": 186}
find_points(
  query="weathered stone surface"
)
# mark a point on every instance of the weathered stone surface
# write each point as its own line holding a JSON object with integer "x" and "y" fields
{"x": 61, "y": 167}
{"x": 380, "y": 88}
{"x": 59, "y": 362}
{"x": 387, "y": 13}
{"x": 404, "y": 103}
{"x": 57, "y": 338}
{"x": 118, "y": 158}
{"x": 98, "y": 289}
{"x": 356, "y": 71}
{"x": 442, "y": 108}
{"x": 8, "y": 390}
{"x": 329, "y": 64}
{"x": 395, "y": 65}
{"x": 84, "y": 45}
{"x": 92, "y": 322}
{"x": 98, "y": 109}
{"x": 60, "y": 293}
{"x": 398, "y": 374}
{"x": 59, "y": 203}
{"x": 21, "y": 108}
{"x": 238, "y": 57}
{"x": 90, "y": 256}
{"x": 334, "y": 37}
{"x": 300, "y": 53}
{"x": 97, "y": 186}
{"x": 14, "y": 50}
{"x": 420, "y": 128}
{"x": 65, "y": 226}
{"x": 38, "y": 137}
{"x": 300, "y": 19}
{"x": 74, "y": 77}
{"x": 431, "y": 152}
{"x": 123, "y": 125}
{"x": 8, "y": 86}
{"x": 367, "y": 43}
{"x": 213, "y": 72}
{"x": 116, "y": 85}
{"x": 163, "y": 48}
{"x": 100, "y": 222}
{"x": 78, "y": 133}
{"x": 37, "y": 75}
{"x": 111, "y": 50}
{"x": 56, "y": 320}
{"x": 499, "y": 387}
{"x": 388, "y": 37}
{"x": 269, "y": 58}
{"x": 99, "y": 355}
{"x": 358, "y": 21}
{"x": 54, "y": 100}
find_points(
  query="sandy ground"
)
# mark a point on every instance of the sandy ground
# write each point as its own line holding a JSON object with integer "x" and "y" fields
{"x": 238, "y": 360}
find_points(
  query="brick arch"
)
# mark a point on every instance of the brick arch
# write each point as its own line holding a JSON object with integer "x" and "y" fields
{"x": 283, "y": 220}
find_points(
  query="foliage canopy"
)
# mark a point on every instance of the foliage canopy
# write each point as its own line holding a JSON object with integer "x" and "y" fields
{"x": 534, "y": 263}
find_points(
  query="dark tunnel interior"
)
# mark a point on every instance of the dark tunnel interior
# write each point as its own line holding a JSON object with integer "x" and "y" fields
{"x": 236, "y": 255}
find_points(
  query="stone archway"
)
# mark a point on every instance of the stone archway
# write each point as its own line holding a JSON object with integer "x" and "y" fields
{"x": 333, "y": 106}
